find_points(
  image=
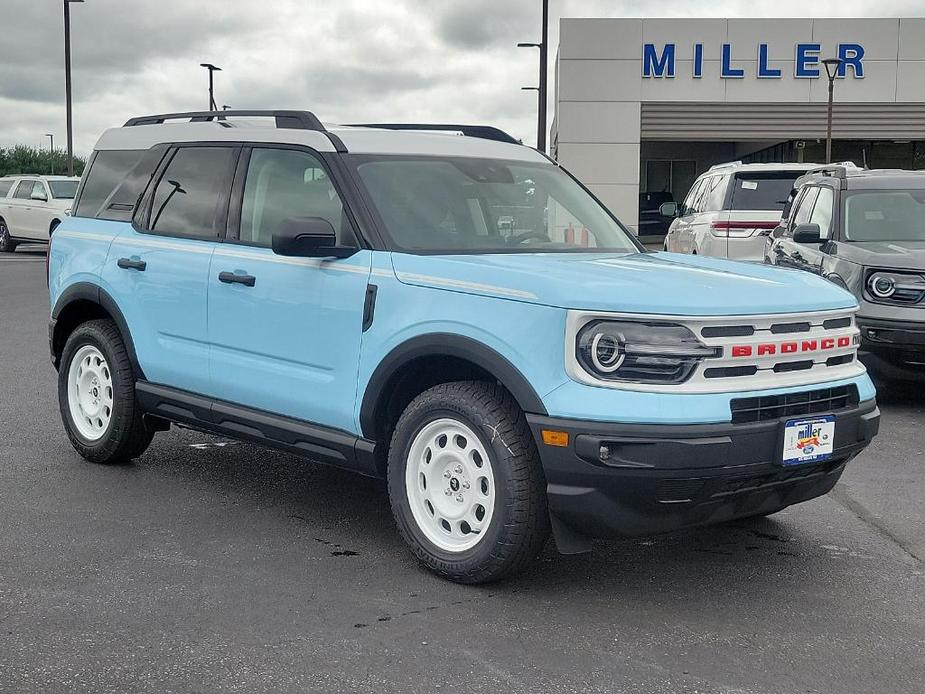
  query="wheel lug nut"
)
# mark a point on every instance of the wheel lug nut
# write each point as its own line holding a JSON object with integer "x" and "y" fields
{"x": 447, "y": 474}
{"x": 459, "y": 498}
{"x": 465, "y": 485}
{"x": 448, "y": 491}
{"x": 458, "y": 469}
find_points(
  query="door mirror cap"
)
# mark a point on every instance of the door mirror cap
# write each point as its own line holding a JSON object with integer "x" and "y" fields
{"x": 807, "y": 233}
{"x": 668, "y": 209}
{"x": 308, "y": 237}
{"x": 38, "y": 196}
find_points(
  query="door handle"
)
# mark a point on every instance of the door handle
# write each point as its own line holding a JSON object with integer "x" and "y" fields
{"x": 232, "y": 278}
{"x": 130, "y": 264}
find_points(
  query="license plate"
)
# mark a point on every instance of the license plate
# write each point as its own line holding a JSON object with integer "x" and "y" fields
{"x": 809, "y": 440}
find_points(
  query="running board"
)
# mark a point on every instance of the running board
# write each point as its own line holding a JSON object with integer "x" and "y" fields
{"x": 322, "y": 444}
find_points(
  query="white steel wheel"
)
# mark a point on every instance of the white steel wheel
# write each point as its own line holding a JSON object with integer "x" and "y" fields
{"x": 450, "y": 485}
{"x": 89, "y": 393}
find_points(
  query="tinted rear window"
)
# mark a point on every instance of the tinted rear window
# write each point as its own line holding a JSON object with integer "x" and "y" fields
{"x": 5, "y": 188}
{"x": 110, "y": 168}
{"x": 764, "y": 190}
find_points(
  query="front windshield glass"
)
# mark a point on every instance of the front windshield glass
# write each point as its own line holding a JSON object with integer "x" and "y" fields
{"x": 885, "y": 215}
{"x": 468, "y": 205}
{"x": 65, "y": 190}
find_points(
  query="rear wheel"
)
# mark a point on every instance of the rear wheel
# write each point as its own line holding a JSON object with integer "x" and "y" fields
{"x": 465, "y": 482}
{"x": 96, "y": 395}
{"x": 7, "y": 244}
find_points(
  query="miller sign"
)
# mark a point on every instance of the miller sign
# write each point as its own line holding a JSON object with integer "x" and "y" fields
{"x": 806, "y": 61}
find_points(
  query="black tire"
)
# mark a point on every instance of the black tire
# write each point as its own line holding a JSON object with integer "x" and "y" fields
{"x": 7, "y": 245}
{"x": 519, "y": 525}
{"x": 126, "y": 437}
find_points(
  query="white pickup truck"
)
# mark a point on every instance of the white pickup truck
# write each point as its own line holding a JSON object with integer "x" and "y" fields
{"x": 31, "y": 207}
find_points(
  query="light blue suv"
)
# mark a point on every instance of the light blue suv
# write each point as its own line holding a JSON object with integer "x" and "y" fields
{"x": 449, "y": 310}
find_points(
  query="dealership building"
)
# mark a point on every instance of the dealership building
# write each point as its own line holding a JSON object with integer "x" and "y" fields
{"x": 642, "y": 106}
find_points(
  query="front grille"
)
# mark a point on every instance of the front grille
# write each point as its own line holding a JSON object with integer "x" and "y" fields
{"x": 809, "y": 402}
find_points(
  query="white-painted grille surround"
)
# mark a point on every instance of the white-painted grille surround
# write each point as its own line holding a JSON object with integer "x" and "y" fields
{"x": 764, "y": 378}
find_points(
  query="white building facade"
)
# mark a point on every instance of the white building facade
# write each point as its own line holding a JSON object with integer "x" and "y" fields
{"x": 642, "y": 106}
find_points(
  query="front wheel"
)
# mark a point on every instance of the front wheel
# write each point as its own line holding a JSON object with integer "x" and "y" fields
{"x": 465, "y": 482}
{"x": 96, "y": 395}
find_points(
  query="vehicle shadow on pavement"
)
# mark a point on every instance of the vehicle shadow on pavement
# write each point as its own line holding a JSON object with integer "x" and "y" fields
{"x": 339, "y": 514}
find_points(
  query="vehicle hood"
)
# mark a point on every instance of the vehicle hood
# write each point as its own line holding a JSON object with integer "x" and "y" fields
{"x": 905, "y": 255}
{"x": 661, "y": 283}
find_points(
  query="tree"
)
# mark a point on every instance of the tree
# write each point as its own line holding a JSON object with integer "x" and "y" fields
{"x": 23, "y": 159}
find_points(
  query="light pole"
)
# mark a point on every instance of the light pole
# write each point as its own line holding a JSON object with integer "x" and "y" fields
{"x": 212, "y": 69}
{"x": 67, "y": 85}
{"x": 831, "y": 69}
{"x": 541, "y": 89}
{"x": 51, "y": 148}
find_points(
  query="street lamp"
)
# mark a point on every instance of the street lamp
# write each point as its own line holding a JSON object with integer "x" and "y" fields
{"x": 51, "y": 147}
{"x": 831, "y": 69}
{"x": 541, "y": 89}
{"x": 212, "y": 69}
{"x": 67, "y": 85}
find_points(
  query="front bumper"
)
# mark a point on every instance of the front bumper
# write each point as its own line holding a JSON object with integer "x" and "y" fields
{"x": 658, "y": 478}
{"x": 893, "y": 347}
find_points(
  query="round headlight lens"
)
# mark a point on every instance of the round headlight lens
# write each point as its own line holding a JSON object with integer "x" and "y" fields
{"x": 607, "y": 352}
{"x": 882, "y": 286}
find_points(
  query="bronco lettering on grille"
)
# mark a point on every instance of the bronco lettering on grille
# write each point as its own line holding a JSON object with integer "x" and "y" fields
{"x": 764, "y": 349}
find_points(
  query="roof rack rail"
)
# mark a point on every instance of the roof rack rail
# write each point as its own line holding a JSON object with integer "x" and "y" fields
{"x": 296, "y": 120}
{"x": 485, "y": 132}
{"x": 737, "y": 162}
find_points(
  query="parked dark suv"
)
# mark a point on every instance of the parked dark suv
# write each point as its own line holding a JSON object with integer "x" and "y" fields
{"x": 865, "y": 230}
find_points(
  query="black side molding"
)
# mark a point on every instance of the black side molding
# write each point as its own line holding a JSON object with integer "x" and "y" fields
{"x": 369, "y": 306}
{"x": 319, "y": 443}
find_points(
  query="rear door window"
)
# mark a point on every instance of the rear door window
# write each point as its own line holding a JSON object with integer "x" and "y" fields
{"x": 762, "y": 190}
{"x": 5, "y": 187}
{"x": 24, "y": 190}
{"x": 191, "y": 198}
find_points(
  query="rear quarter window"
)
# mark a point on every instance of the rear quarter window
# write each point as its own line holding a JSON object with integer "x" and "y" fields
{"x": 113, "y": 184}
{"x": 762, "y": 190}
{"x": 5, "y": 187}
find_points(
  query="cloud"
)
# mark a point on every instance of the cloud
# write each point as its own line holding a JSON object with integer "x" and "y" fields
{"x": 347, "y": 60}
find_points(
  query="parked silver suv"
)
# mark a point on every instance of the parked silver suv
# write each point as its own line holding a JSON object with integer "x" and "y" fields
{"x": 731, "y": 209}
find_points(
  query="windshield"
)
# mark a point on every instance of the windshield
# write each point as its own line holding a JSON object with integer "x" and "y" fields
{"x": 65, "y": 190}
{"x": 468, "y": 205}
{"x": 885, "y": 215}
{"x": 762, "y": 190}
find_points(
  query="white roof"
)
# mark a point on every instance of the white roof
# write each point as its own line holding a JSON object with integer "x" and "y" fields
{"x": 770, "y": 166}
{"x": 41, "y": 177}
{"x": 357, "y": 140}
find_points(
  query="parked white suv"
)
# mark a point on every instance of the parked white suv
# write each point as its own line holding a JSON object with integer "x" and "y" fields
{"x": 31, "y": 207}
{"x": 730, "y": 210}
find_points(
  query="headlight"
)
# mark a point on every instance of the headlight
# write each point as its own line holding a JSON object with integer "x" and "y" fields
{"x": 881, "y": 286}
{"x": 640, "y": 352}
{"x": 896, "y": 287}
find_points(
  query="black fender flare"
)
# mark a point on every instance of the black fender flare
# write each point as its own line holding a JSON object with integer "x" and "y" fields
{"x": 449, "y": 345}
{"x": 87, "y": 291}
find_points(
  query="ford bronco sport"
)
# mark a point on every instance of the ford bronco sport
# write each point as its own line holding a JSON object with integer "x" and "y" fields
{"x": 453, "y": 312}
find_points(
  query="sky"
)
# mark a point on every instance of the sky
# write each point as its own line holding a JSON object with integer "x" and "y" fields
{"x": 346, "y": 60}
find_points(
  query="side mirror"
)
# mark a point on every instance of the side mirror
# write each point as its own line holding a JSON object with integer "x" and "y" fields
{"x": 308, "y": 237}
{"x": 668, "y": 209}
{"x": 38, "y": 196}
{"x": 807, "y": 233}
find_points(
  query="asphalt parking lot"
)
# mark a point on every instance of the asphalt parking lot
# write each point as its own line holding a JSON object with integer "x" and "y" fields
{"x": 212, "y": 566}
